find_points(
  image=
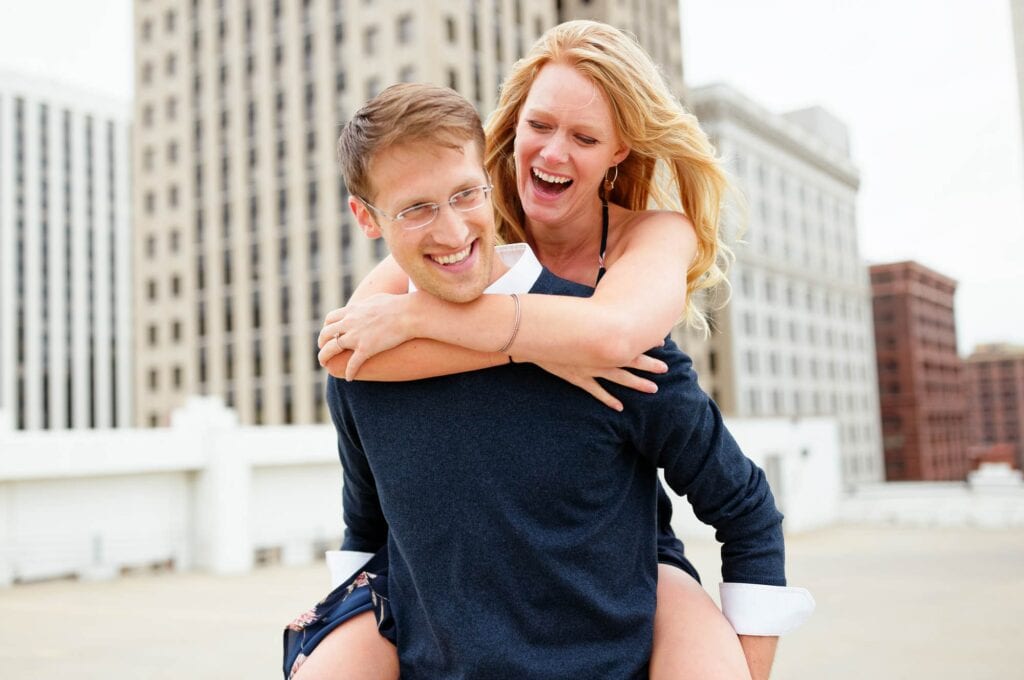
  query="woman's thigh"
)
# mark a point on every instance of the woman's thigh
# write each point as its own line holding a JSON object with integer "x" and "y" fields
{"x": 692, "y": 638}
{"x": 355, "y": 650}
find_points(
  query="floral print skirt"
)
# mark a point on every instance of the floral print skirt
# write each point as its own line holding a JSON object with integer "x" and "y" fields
{"x": 366, "y": 590}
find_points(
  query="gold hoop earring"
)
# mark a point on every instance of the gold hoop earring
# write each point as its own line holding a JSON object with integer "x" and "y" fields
{"x": 609, "y": 184}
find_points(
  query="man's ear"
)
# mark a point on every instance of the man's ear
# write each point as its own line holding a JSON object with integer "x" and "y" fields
{"x": 363, "y": 218}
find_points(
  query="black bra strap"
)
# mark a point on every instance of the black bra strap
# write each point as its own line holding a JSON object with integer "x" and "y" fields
{"x": 604, "y": 238}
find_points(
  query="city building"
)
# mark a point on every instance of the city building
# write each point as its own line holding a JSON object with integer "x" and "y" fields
{"x": 995, "y": 397}
{"x": 65, "y": 277}
{"x": 920, "y": 374}
{"x": 655, "y": 25}
{"x": 794, "y": 338}
{"x": 243, "y": 238}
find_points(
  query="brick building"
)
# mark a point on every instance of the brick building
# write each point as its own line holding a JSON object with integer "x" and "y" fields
{"x": 995, "y": 388}
{"x": 924, "y": 411}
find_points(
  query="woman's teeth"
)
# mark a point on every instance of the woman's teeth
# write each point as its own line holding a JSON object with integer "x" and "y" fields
{"x": 454, "y": 257}
{"x": 551, "y": 179}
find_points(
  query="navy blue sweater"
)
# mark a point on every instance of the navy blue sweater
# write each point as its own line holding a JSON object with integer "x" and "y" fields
{"x": 520, "y": 513}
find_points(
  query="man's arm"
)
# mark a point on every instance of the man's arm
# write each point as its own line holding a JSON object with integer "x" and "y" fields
{"x": 366, "y": 530}
{"x": 759, "y": 651}
{"x": 682, "y": 430}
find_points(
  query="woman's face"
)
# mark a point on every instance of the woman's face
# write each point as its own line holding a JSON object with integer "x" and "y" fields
{"x": 565, "y": 141}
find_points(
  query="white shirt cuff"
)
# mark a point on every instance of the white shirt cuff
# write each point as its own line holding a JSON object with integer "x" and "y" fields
{"x": 343, "y": 564}
{"x": 765, "y": 610}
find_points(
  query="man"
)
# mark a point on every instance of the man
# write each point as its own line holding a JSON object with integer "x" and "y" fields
{"x": 518, "y": 514}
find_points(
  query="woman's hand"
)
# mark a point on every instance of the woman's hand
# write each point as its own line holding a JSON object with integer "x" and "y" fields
{"x": 368, "y": 327}
{"x": 585, "y": 377}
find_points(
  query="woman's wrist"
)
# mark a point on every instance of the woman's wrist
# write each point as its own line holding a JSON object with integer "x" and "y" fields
{"x": 421, "y": 313}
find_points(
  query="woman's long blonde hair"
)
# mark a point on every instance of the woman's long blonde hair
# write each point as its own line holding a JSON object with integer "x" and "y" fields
{"x": 668, "y": 148}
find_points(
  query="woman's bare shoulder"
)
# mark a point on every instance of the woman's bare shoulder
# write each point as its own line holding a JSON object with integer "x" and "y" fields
{"x": 653, "y": 229}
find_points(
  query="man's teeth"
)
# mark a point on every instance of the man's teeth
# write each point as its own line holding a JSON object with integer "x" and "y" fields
{"x": 453, "y": 258}
{"x": 553, "y": 179}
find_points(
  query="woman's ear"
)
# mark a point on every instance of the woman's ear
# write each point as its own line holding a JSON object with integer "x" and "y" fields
{"x": 621, "y": 154}
{"x": 363, "y": 218}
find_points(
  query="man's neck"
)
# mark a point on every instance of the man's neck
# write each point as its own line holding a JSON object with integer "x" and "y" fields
{"x": 498, "y": 267}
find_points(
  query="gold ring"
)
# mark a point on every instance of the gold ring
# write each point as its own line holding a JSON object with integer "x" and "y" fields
{"x": 338, "y": 342}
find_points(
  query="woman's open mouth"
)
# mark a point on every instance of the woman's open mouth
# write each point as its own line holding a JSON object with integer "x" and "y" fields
{"x": 548, "y": 184}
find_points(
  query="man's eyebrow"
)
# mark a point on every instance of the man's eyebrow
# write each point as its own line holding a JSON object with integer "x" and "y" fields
{"x": 461, "y": 186}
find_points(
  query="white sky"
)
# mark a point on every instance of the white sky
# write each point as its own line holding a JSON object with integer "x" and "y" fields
{"x": 927, "y": 88}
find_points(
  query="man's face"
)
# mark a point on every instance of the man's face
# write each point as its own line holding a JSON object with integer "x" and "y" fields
{"x": 453, "y": 256}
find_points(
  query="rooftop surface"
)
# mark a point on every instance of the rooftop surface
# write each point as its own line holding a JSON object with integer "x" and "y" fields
{"x": 892, "y": 604}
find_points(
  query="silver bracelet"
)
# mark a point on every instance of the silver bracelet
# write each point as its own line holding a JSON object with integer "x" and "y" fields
{"x": 515, "y": 325}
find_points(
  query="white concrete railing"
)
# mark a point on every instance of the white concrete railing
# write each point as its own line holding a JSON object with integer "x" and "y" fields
{"x": 210, "y": 494}
{"x": 204, "y": 493}
{"x": 991, "y": 498}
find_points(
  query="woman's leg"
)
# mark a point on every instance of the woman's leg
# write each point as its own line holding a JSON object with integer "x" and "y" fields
{"x": 692, "y": 638}
{"x": 355, "y": 650}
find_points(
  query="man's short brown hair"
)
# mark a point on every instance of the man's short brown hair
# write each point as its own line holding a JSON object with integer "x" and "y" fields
{"x": 404, "y": 113}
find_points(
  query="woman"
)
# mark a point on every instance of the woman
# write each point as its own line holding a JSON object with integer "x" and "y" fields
{"x": 573, "y": 150}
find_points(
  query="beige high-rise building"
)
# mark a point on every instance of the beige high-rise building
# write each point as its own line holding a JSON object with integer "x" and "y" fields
{"x": 655, "y": 25}
{"x": 243, "y": 241}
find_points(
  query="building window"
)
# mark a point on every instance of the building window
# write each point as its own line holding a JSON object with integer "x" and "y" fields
{"x": 404, "y": 29}
{"x": 171, "y": 64}
{"x": 370, "y": 41}
{"x": 450, "y": 29}
{"x": 372, "y": 87}
{"x": 151, "y": 334}
{"x": 407, "y": 74}
{"x": 154, "y": 379}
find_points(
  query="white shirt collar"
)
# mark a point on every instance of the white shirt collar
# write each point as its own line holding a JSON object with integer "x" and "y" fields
{"x": 523, "y": 270}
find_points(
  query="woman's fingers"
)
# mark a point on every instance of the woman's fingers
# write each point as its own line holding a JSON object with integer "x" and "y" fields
{"x": 354, "y": 364}
{"x": 328, "y": 332}
{"x": 631, "y": 380}
{"x": 594, "y": 389}
{"x": 648, "y": 364}
{"x": 334, "y": 315}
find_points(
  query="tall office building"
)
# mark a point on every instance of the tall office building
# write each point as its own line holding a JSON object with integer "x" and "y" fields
{"x": 995, "y": 397}
{"x": 244, "y": 241}
{"x": 655, "y": 25}
{"x": 65, "y": 324}
{"x": 795, "y": 337}
{"x": 920, "y": 374}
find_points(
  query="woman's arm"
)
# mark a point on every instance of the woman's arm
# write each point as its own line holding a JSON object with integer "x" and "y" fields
{"x": 636, "y": 304}
{"x": 418, "y": 358}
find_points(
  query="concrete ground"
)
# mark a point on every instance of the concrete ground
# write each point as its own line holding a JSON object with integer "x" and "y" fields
{"x": 892, "y": 604}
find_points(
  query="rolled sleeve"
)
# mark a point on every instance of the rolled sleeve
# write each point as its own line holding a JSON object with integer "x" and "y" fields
{"x": 765, "y": 610}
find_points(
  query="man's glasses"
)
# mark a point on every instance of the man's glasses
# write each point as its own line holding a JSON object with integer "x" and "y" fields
{"x": 422, "y": 214}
